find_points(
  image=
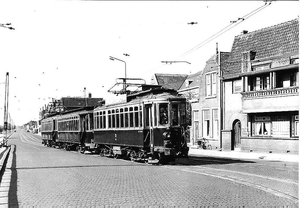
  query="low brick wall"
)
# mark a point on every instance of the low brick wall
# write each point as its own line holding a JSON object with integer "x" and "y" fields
{"x": 270, "y": 145}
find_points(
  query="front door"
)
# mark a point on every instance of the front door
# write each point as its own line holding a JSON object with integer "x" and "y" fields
{"x": 236, "y": 135}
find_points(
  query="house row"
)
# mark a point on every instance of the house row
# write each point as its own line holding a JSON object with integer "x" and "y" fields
{"x": 247, "y": 99}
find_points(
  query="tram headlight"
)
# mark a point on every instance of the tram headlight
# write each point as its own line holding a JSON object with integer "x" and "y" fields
{"x": 167, "y": 135}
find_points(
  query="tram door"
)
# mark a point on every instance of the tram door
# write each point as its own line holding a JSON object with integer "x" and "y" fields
{"x": 149, "y": 115}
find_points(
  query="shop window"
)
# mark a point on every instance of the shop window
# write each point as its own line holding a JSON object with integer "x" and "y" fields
{"x": 262, "y": 126}
{"x": 295, "y": 126}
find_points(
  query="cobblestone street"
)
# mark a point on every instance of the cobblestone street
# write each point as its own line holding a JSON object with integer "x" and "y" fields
{"x": 48, "y": 177}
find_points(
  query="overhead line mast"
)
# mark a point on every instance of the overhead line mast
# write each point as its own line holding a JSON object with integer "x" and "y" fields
{"x": 6, "y": 106}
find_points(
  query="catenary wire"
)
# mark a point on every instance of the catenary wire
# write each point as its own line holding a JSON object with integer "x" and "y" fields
{"x": 232, "y": 25}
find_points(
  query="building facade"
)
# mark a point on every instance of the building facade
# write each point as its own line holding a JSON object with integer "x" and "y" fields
{"x": 261, "y": 91}
{"x": 209, "y": 113}
{"x": 190, "y": 90}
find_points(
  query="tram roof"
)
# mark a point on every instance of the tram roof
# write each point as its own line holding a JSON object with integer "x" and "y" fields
{"x": 158, "y": 94}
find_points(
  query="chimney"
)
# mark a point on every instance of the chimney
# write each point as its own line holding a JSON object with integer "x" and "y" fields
{"x": 244, "y": 32}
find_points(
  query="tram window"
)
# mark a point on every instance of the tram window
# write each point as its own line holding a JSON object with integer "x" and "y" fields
{"x": 117, "y": 118}
{"x": 182, "y": 113}
{"x": 136, "y": 119}
{"x": 96, "y": 121}
{"x": 131, "y": 116}
{"x": 104, "y": 119}
{"x": 155, "y": 115}
{"x": 109, "y": 119}
{"x": 121, "y": 118}
{"x": 100, "y": 120}
{"x": 163, "y": 114}
{"x": 126, "y": 118}
{"x": 141, "y": 118}
{"x": 87, "y": 122}
{"x": 174, "y": 114}
{"x": 113, "y": 119}
{"x": 147, "y": 116}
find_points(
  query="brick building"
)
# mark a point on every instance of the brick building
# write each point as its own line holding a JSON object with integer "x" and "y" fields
{"x": 261, "y": 91}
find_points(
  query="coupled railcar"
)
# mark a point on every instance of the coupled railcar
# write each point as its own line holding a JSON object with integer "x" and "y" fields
{"x": 71, "y": 129}
{"x": 149, "y": 127}
{"x": 49, "y": 131}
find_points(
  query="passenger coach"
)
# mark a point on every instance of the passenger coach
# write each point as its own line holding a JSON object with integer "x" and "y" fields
{"x": 150, "y": 126}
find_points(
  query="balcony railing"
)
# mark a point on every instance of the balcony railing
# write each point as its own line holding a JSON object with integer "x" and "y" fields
{"x": 279, "y": 92}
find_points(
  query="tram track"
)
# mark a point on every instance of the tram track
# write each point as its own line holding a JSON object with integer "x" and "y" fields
{"x": 271, "y": 185}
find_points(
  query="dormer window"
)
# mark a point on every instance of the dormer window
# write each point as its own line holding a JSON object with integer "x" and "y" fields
{"x": 261, "y": 67}
{"x": 247, "y": 56}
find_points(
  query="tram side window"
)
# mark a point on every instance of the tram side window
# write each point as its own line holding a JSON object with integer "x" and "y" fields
{"x": 163, "y": 114}
{"x": 117, "y": 118}
{"x": 147, "y": 111}
{"x": 182, "y": 113}
{"x": 109, "y": 119}
{"x": 113, "y": 119}
{"x": 126, "y": 118}
{"x": 122, "y": 117}
{"x": 141, "y": 117}
{"x": 131, "y": 117}
{"x": 100, "y": 120}
{"x": 174, "y": 114}
{"x": 104, "y": 119}
{"x": 136, "y": 116}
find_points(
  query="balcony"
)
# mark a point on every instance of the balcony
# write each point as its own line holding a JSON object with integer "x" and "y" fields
{"x": 279, "y": 92}
{"x": 273, "y": 100}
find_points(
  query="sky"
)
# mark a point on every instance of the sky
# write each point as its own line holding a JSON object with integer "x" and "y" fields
{"x": 58, "y": 48}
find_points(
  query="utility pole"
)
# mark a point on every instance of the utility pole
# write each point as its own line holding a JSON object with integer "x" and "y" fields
{"x": 6, "y": 108}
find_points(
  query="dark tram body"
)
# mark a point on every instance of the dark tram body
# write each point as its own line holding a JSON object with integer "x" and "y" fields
{"x": 149, "y": 126}
{"x": 70, "y": 129}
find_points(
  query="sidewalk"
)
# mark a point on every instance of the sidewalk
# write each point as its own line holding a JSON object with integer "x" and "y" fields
{"x": 244, "y": 155}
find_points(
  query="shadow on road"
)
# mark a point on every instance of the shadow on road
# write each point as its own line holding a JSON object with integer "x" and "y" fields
{"x": 12, "y": 194}
{"x": 192, "y": 160}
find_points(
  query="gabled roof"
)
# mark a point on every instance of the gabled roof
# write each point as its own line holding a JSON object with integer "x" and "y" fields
{"x": 191, "y": 81}
{"x": 268, "y": 42}
{"x": 170, "y": 81}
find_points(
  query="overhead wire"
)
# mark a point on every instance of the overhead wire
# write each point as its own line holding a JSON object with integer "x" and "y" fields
{"x": 225, "y": 29}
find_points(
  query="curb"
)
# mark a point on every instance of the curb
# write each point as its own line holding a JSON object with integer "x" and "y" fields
{"x": 244, "y": 155}
{"x": 3, "y": 159}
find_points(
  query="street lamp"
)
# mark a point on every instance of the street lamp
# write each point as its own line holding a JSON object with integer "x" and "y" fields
{"x": 113, "y": 58}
